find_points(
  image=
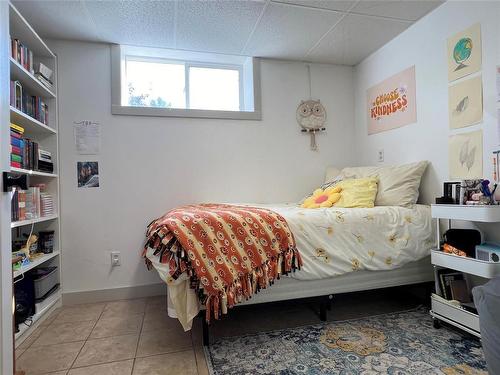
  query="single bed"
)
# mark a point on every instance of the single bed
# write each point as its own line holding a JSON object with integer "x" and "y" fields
{"x": 342, "y": 250}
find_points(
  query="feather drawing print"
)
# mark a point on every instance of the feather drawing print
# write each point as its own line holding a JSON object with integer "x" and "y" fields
{"x": 462, "y": 106}
{"x": 466, "y": 156}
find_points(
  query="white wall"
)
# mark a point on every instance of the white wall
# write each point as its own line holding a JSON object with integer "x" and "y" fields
{"x": 424, "y": 45}
{"x": 150, "y": 165}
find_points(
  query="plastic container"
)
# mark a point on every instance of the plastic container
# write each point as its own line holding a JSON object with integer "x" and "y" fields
{"x": 45, "y": 280}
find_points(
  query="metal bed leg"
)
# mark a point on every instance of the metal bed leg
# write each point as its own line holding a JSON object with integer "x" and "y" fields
{"x": 325, "y": 305}
{"x": 322, "y": 310}
{"x": 206, "y": 336}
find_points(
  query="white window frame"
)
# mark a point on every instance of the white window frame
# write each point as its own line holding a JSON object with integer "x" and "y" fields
{"x": 248, "y": 67}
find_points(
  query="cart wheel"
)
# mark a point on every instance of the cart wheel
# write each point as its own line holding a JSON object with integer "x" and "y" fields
{"x": 436, "y": 323}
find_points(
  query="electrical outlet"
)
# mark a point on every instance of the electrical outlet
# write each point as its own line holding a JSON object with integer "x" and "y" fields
{"x": 115, "y": 258}
{"x": 381, "y": 155}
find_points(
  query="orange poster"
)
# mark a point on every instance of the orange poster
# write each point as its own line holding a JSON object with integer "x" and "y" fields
{"x": 392, "y": 103}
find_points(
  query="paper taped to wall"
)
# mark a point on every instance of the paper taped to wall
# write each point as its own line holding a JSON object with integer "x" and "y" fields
{"x": 87, "y": 137}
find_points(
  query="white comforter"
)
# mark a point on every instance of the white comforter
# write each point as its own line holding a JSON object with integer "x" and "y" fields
{"x": 332, "y": 242}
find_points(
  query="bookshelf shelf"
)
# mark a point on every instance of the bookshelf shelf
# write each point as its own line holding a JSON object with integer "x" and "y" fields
{"x": 37, "y": 136}
{"x": 22, "y": 223}
{"x": 42, "y": 308}
{"x": 21, "y": 29}
{"x": 37, "y": 262}
{"x": 29, "y": 81}
{"x": 30, "y": 125}
{"x": 32, "y": 173}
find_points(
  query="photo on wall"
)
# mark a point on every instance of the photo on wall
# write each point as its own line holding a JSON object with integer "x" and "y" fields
{"x": 87, "y": 173}
{"x": 465, "y": 103}
{"x": 464, "y": 53}
{"x": 466, "y": 155}
{"x": 392, "y": 103}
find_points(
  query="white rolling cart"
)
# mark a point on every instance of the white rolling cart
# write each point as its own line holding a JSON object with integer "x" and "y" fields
{"x": 442, "y": 309}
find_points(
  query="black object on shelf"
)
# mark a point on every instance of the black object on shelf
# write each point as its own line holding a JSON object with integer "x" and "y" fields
{"x": 46, "y": 241}
{"x": 463, "y": 239}
{"x": 13, "y": 179}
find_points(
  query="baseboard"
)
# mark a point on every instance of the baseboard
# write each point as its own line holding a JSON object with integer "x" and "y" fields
{"x": 104, "y": 295}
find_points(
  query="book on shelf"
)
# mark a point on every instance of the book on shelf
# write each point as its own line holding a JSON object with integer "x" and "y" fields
{"x": 22, "y": 54}
{"x": 446, "y": 277}
{"x": 32, "y": 203}
{"x": 26, "y": 153}
{"x": 33, "y": 106}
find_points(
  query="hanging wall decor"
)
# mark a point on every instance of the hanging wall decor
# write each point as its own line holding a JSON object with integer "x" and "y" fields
{"x": 392, "y": 103}
{"x": 465, "y": 103}
{"x": 311, "y": 115}
{"x": 464, "y": 53}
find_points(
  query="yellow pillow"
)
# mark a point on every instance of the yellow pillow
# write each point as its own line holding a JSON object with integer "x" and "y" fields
{"x": 322, "y": 198}
{"x": 357, "y": 192}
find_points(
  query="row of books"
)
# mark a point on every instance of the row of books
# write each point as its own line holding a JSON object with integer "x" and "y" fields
{"x": 26, "y": 154}
{"x": 24, "y": 56}
{"x": 32, "y": 203}
{"x": 33, "y": 106}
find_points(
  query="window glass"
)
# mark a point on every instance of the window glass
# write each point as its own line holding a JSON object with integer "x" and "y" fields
{"x": 214, "y": 88}
{"x": 155, "y": 84}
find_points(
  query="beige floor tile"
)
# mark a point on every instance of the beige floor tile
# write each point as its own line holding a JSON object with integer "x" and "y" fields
{"x": 154, "y": 321}
{"x": 31, "y": 338}
{"x": 50, "y": 358}
{"x": 58, "y": 373}
{"x": 58, "y": 333}
{"x": 117, "y": 325}
{"x": 18, "y": 352}
{"x": 114, "y": 368}
{"x": 167, "y": 364}
{"x": 201, "y": 362}
{"x": 158, "y": 303}
{"x": 80, "y": 313}
{"x": 109, "y": 349}
{"x": 51, "y": 317}
{"x": 124, "y": 308}
{"x": 163, "y": 341}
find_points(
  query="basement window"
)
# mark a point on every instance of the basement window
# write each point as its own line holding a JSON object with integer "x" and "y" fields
{"x": 161, "y": 82}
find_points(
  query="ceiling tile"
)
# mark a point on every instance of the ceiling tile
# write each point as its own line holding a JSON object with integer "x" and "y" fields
{"x": 340, "y": 5}
{"x": 403, "y": 9}
{"x": 354, "y": 38}
{"x": 289, "y": 32}
{"x": 217, "y": 26}
{"x": 58, "y": 19}
{"x": 145, "y": 23}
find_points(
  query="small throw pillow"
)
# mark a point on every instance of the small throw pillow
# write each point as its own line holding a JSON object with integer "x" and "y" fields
{"x": 359, "y": 192}
{"x": 397, "y": 186}
{"x": 322, "y": 198}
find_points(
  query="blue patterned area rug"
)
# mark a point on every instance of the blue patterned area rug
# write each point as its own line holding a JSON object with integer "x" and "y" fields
{"x": 396, "y": 344}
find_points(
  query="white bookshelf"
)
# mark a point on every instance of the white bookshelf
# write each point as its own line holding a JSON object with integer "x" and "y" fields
{"x": 446, "y": 310}
{"x": 47, "y": 137}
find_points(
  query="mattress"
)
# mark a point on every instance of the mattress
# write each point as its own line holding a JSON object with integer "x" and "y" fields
{"x": 332, "y": 242}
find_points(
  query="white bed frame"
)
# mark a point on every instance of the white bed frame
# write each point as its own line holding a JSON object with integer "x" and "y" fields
{"x": 288, "y": 288}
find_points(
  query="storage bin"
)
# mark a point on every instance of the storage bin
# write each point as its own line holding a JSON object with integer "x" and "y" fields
{"x": 45, "y": 280}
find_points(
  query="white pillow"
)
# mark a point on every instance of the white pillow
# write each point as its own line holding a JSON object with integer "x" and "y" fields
{"x": 331, "y": 173}
{"x": 398, "y": 185}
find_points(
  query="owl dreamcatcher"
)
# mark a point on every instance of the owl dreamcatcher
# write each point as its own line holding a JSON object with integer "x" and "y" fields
{"x": 311, "y": 116}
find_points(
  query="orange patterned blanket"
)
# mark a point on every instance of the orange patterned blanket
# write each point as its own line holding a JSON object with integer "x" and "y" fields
{"x": 229, "y": 252}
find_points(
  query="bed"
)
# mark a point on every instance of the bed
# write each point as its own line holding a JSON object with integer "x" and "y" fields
{"x": 342, "y": 250}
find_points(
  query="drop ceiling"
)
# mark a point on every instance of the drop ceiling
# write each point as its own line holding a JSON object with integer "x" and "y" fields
{"x": 325, "y": 31}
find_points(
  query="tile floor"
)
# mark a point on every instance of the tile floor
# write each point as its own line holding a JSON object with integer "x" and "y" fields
{"x": 114, "y": 338}
{"x": 137, "y": 337}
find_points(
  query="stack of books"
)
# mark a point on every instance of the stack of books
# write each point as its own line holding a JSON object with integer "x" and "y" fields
{"x": 45, "y": 161}
{"x": 44, "y": 74}
{"x": 16, "y": 146}
{"x": 33, "y": 106}
{"x": 26, "y": 204}
{"x": 22, "y": 54}
{"x": 46, "y": 204}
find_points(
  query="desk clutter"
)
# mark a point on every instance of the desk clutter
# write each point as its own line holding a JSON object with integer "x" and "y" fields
{"x": 469, "y": 192}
